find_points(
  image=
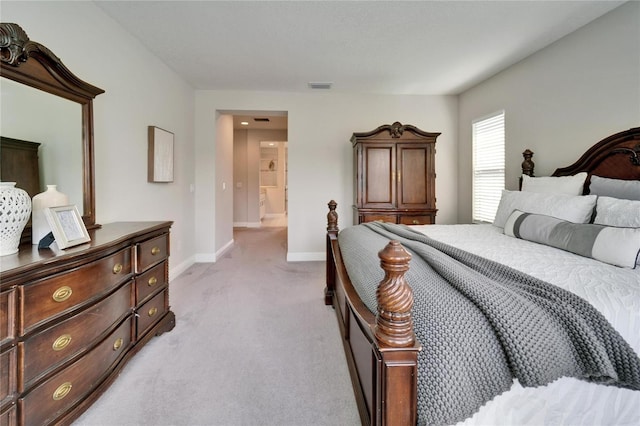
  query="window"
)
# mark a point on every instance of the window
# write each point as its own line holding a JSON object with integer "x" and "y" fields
{"x": 488, "y": 166}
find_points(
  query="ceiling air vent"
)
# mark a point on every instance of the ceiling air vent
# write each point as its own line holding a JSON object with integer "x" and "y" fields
{"x": 261, "y": 120}
{"x": 320, "y": 85}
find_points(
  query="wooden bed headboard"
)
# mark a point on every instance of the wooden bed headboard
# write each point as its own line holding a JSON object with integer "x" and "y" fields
{"x": 616, "y": 156}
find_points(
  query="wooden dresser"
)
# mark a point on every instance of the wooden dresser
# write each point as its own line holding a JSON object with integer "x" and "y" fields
{"x": 395, "y": 176}
{"x": 70, "y": 320}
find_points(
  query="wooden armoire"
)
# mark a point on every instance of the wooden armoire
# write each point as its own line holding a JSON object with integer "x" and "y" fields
{"x": 395, "y": 176}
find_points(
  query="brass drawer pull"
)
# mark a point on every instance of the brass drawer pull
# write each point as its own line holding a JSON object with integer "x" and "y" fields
{"x": 62, "y": 391}
{"x": 416, "y": 222}
{"x": 152, "y": 311}
{"x": 155, "y": 250}
{"x": 117, "y": 344}
{"x": 152, "y": 281}
{"x": 117, "y": 268}
{"x": 62, "y": 294}
{"x": 61, "y": 342}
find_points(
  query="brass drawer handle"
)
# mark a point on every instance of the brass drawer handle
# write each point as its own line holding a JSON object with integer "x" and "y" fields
{"x": 61, "y": 342}
{"x": 62, "y": 294}
{"x": 62, "y": 391}
{"x": 117, "y": 344}
{"x": 152, "y": 311}
{"x": 155, "y": 250}
{"x": 117, "y": 268}
{"x": 416, "y": 222}
{"x": 152, "y": 281}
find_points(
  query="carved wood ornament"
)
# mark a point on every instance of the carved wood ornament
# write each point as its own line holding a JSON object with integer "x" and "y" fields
{"x": 394, "y": 325}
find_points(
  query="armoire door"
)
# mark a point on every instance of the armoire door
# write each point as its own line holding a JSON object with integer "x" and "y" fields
{"x": 378, "y": 175}
{"x": 416, "y": 176}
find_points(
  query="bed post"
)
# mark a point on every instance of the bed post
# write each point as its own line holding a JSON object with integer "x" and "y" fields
{"x": 527, "y": 165}
{"x": 332, "y": 234}
{"x": 398, "y": 370}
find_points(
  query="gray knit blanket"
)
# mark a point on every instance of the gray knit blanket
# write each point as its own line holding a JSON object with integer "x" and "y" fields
{"x": 483, "y": 324}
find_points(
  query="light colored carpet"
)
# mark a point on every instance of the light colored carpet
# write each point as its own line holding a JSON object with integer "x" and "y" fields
{"x": 254, "y": 344}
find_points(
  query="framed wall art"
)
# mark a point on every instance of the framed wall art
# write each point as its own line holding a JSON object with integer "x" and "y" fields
{"x": 160, "y": 163}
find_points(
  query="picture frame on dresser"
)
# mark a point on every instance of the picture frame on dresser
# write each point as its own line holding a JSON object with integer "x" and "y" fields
{"x": 67, "y": 226}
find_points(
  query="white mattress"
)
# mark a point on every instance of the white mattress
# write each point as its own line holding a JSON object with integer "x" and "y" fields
{"x": 614, "y": 291}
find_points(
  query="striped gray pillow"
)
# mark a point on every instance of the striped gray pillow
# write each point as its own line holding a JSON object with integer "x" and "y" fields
{"x": 616, "y": 246}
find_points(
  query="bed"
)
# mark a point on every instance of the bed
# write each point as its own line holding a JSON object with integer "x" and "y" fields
{"x": 387, "y": 353}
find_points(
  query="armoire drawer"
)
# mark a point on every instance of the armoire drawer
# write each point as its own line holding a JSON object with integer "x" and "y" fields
{"x": 55, "y": 345}
{"x": 372, "y": 217}
{"x": 7, "y": 316}
{"x": 151, "y": 252}
{"x": 151, "y": 281}
{"x": 416, "y": 220}
{"x": 60, "y": 293}
{"x": 8, "y": 388}
{"x": 151, "y": 312}
{"x": 53, "y": 397}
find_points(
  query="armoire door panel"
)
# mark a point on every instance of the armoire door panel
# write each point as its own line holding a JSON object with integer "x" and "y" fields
{"x": 379, "y": 171}
{"x": 415, "y": 183}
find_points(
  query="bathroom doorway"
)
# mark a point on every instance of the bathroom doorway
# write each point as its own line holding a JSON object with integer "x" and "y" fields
{"x": 273, "y": 174}
{"x": 250, "y": 130}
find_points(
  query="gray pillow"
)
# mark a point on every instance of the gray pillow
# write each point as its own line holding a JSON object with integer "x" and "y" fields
{"x": 616, "y": 188}
{"x": 616, "y": 246}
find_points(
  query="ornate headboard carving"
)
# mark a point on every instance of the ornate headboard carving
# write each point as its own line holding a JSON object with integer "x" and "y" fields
{"x": 616, "y": 156}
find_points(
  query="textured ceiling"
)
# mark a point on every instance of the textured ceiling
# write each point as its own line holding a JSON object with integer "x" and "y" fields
{"x": 384, "y": 47}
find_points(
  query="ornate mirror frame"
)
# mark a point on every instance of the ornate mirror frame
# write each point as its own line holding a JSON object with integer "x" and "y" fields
{"x": 32, "y": 64}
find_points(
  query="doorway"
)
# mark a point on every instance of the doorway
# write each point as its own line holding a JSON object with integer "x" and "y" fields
{"x": 260, "y": 182}
{"x": 273, "y": 183}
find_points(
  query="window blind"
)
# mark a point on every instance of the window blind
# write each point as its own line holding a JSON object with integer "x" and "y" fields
{"x": 488, "y": 166}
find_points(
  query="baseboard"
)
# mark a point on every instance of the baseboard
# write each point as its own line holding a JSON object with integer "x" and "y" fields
{"x": 213, "y": 257}
{"x": 274, "y": 215}
{"x": 307, "y": 257}
{"x": 246, "y": 224}
{"x": 175, "y": 271}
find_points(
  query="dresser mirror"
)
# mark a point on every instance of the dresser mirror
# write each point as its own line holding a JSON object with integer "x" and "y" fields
{"x": 44, "y": 102}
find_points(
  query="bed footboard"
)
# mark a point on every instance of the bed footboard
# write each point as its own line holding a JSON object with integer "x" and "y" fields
{"x": 381, "y": 349}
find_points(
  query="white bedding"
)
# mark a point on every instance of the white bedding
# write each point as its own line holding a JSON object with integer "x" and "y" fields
{"x": 614, "y": 291}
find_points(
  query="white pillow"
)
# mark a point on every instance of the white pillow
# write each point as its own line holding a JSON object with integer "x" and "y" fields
{"x": 572, "y": 208}
{"x": 617, "y": 212}
{"x": 571, "y": 185}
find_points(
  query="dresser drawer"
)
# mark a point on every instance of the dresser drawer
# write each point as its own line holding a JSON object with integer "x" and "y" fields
{"x": 53, "y": 397}
{"x": 7, "y": 316}
{"x": 416, "y": 220}
{"x": 8, "y": 388}
{"x": 59, "y": 343}
{"x": 151, "y": 312}
{"x": 56, "y": 295}
{"x": 151, "y": 252}
{"x": 151, "y": 281}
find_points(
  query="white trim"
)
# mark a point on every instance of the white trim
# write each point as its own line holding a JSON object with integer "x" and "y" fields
{"x": 307, "y": 257}
{"x": 205, "y": 258}
{"x": 246, "y": 224}
{"x": 274, "y": 215}
{"x": 213, "y": 257}
{"x": 224, "y": 249}
{"x": 175, "y": 271}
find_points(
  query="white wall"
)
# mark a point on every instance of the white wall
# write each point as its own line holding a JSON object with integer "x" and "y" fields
{"x": 139, "y": 91}
{"x": 320, "y": 157}
{"x": 561, "y": 100}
